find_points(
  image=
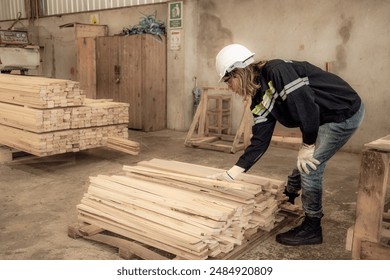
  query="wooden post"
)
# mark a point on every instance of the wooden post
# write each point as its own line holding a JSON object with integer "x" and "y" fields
{"x": 369, "y": 206}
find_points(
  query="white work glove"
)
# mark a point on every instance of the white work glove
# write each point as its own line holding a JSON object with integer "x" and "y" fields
{"x": 228, "y": 175}
{"x": 305, "y": 157}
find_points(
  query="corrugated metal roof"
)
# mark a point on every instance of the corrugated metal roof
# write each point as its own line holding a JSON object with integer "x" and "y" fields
{"x": 9, "y": 9}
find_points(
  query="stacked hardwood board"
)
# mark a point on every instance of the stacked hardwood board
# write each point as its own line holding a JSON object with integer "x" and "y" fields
{"x": 44, "y": 116}
{"x": 40, "y": 92}
{"x": 92, "y": 113}
{"x": 174, "y": 207}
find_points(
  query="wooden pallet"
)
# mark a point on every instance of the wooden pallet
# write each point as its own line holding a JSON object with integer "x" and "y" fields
{"x": 10, "y": 155}
{"x": 131, "y": 249}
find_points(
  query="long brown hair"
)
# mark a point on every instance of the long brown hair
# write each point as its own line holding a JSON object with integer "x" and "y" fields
{"x": 247, "y": 78}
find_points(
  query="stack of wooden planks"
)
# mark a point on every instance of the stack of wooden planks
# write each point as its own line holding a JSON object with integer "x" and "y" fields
{"x": 44, "y": 116}
{"x": 91, "y": 114}
{"x": 40, "y": 92}
{"x": 174, "y": 207}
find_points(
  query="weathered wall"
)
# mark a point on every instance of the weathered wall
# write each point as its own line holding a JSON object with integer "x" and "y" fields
{"x": 353, "y": 34}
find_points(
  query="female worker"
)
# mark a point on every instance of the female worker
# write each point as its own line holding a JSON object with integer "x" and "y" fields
{"x": 296, "y": 94}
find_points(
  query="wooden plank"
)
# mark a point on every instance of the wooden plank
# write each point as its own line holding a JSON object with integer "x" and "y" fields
{"x": 197, "y": 141}
{"x": 202, "y": 172}
{"x": 121, "y": 244}
{"x": 90, "y": 230}
{"x": 258, "y": 182}
{"x": 123, "y": 145}
{"x": 370, "y": 199}
{"x": 349, "y": 239}
{"x": 238, "y": 191}
{"x": 382, "y": 144}
{"x": 214, "y": 147}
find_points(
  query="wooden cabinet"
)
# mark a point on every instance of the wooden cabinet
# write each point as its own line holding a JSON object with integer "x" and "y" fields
{"x": 132, "y": 69}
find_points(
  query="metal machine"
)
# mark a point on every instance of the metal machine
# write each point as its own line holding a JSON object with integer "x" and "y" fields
{"x": 16, "y": 53}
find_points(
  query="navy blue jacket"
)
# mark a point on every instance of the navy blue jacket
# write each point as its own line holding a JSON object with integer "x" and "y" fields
{"x": 296, "y": 94}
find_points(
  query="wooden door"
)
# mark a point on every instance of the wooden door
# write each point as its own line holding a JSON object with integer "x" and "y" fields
{"x": 132, "y": 69}
{"x": 154, "y": 83}
{"x": 86, "y": 65}
{"x": 107, "y": 61}
{"x": 130, "y": 86}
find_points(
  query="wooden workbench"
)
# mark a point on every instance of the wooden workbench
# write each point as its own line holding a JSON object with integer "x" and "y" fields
{"x": 370, "y": 205}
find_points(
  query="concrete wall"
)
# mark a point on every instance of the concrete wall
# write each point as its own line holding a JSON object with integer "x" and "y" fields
{"x": 354, "y": 35}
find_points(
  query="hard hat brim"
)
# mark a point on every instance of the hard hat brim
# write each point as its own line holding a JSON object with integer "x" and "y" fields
{"x": 237, "y": 64}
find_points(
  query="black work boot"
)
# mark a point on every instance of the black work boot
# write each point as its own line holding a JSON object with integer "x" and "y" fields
{"x": 308, "y": 233}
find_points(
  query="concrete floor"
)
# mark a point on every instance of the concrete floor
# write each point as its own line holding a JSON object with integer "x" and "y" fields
{"x": 38, "y": 200}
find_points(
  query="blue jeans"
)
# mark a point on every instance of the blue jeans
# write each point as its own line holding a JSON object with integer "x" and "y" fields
{"x": 331, "y": 137}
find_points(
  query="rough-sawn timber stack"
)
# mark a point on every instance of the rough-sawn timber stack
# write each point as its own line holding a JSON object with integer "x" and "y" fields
{"x": 45, "y": 116}
{"x": 174, "y": 207}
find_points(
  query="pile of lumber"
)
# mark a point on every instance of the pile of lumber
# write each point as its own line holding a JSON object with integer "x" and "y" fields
{"x": 45, "y": 116}
{"x": 173, "y": 206}
{"x": 92, "y": 113}
{"x": 58, "y": 142}
{"x": 40, "y": 92}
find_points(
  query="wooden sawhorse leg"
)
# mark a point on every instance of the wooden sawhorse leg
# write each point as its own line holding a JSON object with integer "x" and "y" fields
{"x": 370, "y": 205}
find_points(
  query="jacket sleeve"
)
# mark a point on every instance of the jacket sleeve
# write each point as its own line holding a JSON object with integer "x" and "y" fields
{"x": 294, "y": 88}
{"x": 261, "y": 138}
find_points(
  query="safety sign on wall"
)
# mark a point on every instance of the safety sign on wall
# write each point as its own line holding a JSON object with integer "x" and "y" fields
{"x": 176, "y": 15}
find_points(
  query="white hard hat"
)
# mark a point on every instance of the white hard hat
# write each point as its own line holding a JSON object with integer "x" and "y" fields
{"x": 231, "y": 57}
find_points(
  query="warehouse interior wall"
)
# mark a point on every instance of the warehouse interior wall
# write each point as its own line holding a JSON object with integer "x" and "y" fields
{"x": 351, "y": 36}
